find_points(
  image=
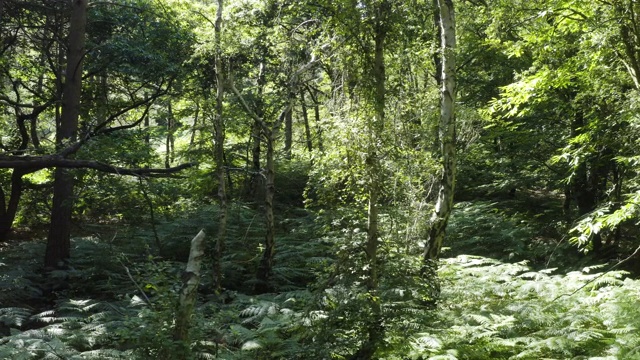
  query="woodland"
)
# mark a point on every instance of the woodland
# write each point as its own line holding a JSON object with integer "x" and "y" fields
{"x": 319, "y": 179}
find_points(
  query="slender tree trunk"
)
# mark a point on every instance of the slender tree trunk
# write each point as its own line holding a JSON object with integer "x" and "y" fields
{"x": 147, "y": 135}
{"x": 305, "y": 118}
{"x": 219, "y": 136}
{"x": 444, "y": 204}
{"x": 170, "y": 141}
{"x": 256, "y": 182}
{"x": 316, "y": 113}
{"x": 270, "y": 131}
{"x": 437, "y": 62}
{"x": 585, "y": 181}
{"x": 194, "y": 128}
{"x": 375, "y": 328}
{"x": 58, "y": 240}
{"x": 229, "y": 180}
{"x": 288, "y": 134}
{"x": 266, "y": 263}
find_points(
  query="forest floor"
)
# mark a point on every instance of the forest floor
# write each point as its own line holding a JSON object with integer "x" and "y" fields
{"x": 511, "y": 288}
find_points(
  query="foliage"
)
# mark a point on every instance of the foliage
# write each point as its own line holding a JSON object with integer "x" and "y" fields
{"x": 487, "y": 309}
{"x": 506, "y": 311}
{"x": 548, "y": 131}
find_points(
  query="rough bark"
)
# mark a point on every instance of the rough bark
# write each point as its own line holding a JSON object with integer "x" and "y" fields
{"x": 58, "y": 240}
{"x": 189, "y": 291}
{"x": 444, "y": 204}
{"x": 219, "y": 136}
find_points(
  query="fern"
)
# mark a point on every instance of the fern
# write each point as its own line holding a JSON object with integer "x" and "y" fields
{"x": 530, "y": 315}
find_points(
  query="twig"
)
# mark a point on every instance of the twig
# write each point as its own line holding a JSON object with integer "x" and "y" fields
{"x": 136, "y": 284}
{"x": 595, "y": 278}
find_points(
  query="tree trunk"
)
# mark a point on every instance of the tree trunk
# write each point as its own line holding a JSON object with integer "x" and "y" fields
{"x": 266, "y": 263}
{"x": 316, "y": 113}
{"x": 147, "y": 134}
{"x": 58, "y": 240}
{"x": 270, "y": 131}
{"x": 188, "y": 293}
{"x": 437, "y": 62}
{"x": 194, "y": 128}
{"x": 256, "y": 183}
{"x": 375, "y": 328}
{"x": 169, "y": 153}
{"x": 288, "y": 134}
{"x": 585, "y": 182}
{"x": 8, "y": 211}
{"x": 444, "y": 204}
{"x": 305, "y": 118}
{"x": 219, "y": 136}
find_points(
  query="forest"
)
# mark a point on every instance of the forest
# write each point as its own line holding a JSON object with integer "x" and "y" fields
{"x": 319, "y": 179}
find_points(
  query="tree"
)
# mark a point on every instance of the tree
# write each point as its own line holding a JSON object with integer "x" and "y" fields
{"x": 447, "y": 132}
{"x": 58, "y": 246}
{"x": 104, "y": 72}
{"x": 269, "y": 131}
{"x": 271, "y": 77}
{"x": 566, "y": 48}
{"x": 219, "y": 136}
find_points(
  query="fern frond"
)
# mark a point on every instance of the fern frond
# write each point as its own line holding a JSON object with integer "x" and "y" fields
{"x": 14, "y": 316}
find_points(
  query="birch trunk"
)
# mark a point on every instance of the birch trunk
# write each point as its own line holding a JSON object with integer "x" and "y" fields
{"x": 447, "y": 133}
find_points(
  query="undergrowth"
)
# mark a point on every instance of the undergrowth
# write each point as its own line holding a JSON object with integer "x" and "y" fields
{"x": 117, "y": 299}
{"x": 495, "y": 310}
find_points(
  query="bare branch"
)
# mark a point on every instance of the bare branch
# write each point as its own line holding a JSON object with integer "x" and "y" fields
{"x": 246, "y": 106}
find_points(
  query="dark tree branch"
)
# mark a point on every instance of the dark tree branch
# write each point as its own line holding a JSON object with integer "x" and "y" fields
{"x": 99, "y": 128}
{"x": 33, "y": 163}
